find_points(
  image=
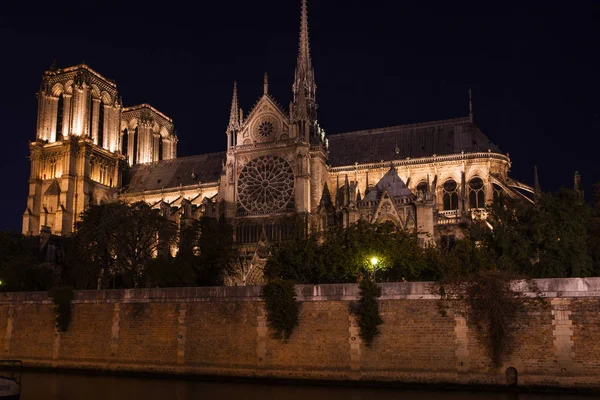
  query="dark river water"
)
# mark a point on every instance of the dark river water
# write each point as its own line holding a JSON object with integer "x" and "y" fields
{"x": 46, "y": 386}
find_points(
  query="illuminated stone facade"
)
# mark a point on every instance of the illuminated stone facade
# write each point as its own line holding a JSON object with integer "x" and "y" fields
{"x": 279, "y": 172}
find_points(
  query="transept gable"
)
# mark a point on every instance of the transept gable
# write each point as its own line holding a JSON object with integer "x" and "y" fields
{"x": 266, "y": 122}
{"x": 386, "y": 211}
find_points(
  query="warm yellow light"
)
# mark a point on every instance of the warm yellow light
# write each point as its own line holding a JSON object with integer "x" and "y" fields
{"x": 374, "y": 261}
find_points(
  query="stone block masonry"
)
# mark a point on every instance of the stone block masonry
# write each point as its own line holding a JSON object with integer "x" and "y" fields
{"x": 223, "y": 331}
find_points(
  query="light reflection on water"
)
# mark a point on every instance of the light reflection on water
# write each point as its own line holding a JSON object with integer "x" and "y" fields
{"x": 46, "y": 386}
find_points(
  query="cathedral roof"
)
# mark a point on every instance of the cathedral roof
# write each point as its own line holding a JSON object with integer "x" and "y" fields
{"x": 391, "y": 183}
{"x": 415, "y": 141}
{"x": 185, "y": 171}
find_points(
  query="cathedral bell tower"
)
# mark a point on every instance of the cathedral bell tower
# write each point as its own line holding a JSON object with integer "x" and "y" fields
{"x": 74, "y": 159}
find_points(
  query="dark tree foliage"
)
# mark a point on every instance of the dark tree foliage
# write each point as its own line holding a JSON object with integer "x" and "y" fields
{"x": 594, "y": 231}
{"x": 206, "y": 251}
{"x": 560, "y": 234}
{"x": 118, "y": 242}
{"x": 283, "y": 311}
{"x": 367, "y": 311}
{"x": 546, "y": 240}
{"x": 21, "y": 266}
{"x": 342, "y": 255}
{"x": 508, "y": 235}
{"x": 62, "y": 298}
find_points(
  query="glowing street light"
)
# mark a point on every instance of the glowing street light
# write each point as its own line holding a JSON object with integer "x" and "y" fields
{"x": 374, "y": 261}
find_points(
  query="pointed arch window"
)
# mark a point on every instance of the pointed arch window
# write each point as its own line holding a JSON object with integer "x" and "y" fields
{"x": 59, "y": 117}
{"x": 160, "y": 148}
{"x": 125, "y": 143}
{"x": 450, "y": 195}
{"x": 476, "y": 193}
{"x": 91, "y": 117}
{"x": 423, "y": 188}
{"x": 101, "y": 125}
{"x": 134, "y": 157}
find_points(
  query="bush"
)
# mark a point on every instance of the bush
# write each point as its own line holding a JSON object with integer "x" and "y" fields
{"x": 62, "y": 297}
{"x": 367, "y": 311}
{"x": 283, "y": 310}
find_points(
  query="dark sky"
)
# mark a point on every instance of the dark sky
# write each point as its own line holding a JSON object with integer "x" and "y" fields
{"x": 533, "y": 68}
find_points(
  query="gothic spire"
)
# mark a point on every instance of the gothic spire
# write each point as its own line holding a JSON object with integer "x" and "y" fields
{"x": 304, "y": 88}
{"x": 304, "y": 50}
{"x": 234, "y": 116}
{"x": 470, "y": 104}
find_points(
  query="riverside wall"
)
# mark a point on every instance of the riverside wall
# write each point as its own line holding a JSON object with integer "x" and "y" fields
{"x": 223, "y": 331}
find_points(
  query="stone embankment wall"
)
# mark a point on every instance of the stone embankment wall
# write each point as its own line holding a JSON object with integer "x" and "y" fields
{"x": 223, "y": 331}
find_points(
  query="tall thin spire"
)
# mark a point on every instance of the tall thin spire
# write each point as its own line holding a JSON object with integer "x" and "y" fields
{"x": 304, "y": 88}
{"x": 234, "y": 116}
{"x": 266, "y": 84}
{"x": 304, "y": 50}
{"x": 470, "y": 104}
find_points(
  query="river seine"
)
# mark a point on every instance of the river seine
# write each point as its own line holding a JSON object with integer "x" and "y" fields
{"x": 46, "y": 386}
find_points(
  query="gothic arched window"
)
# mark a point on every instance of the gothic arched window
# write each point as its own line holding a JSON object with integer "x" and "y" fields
{"x": 134, "y": 158}
{"x": 450, "y": 195}
{"x": 423, "y": 188}
{"x": 160, "y": 148}
{"x": 125, "y": 143}
{"x": 476, "y": 193}
{"x": 91, "y": 117}
{"x": 101, "y": 125}
{"x": 59, "y": 117}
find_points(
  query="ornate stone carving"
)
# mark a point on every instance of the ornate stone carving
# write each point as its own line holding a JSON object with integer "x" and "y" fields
{"x": 266, "y": 184}
{"x": 266, "y": 128}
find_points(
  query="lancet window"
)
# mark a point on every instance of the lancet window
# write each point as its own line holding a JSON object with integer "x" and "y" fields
{"x": 450, "y": 195}
{"x": 59, "y": 117}
{"x": 476, "y": 193}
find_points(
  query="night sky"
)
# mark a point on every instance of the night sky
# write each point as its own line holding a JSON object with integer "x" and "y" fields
{"x": 533, "y": 68}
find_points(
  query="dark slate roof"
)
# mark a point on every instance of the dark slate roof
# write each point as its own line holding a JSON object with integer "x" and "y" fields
{"x": 171, "y": 173}
{"x": 416, "y": 140}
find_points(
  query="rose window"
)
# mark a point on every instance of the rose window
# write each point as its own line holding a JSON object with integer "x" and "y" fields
{"x": 266, "y": 129}
{"x": 266, "y": 184}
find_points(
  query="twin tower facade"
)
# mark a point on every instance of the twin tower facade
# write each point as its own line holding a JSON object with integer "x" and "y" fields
{"x": 279, "y": 169}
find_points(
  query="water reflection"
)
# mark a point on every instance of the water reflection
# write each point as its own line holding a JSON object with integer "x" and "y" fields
{"x": 40, "y": 386}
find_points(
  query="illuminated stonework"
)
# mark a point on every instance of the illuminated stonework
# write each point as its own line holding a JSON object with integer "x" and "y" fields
{"x": 280, "y": 175}
{"x": 266, "y": 184}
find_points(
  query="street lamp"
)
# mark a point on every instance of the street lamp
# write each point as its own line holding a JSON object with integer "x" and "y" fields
{"x": 374, "y": 261}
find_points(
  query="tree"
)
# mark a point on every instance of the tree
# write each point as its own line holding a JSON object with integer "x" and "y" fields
{"x": 344, "y": 254}
{"x": 21, "y": 268}
{"x": 560, "y": 235}
{"x": 116, "y": 243}
{"x": 594, "y": 231}
{"x": 206, "y": 247}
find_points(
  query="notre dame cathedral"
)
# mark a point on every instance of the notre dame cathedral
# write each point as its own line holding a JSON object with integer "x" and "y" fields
{"x": 279, "y": 166}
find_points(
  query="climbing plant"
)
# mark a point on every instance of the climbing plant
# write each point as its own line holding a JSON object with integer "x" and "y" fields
{"x": 490, "y": 302}
{"x": 367, "y": 311}
{"x": 283, "y": 311}
{"x": 62, "y": 298}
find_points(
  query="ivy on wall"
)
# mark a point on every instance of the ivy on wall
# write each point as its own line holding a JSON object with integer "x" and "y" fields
{"x": 62, "y": 298}
{"x": 490, "y": 302}
{"x": 283, "y": 311}
{"x": 367, "y": 311}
